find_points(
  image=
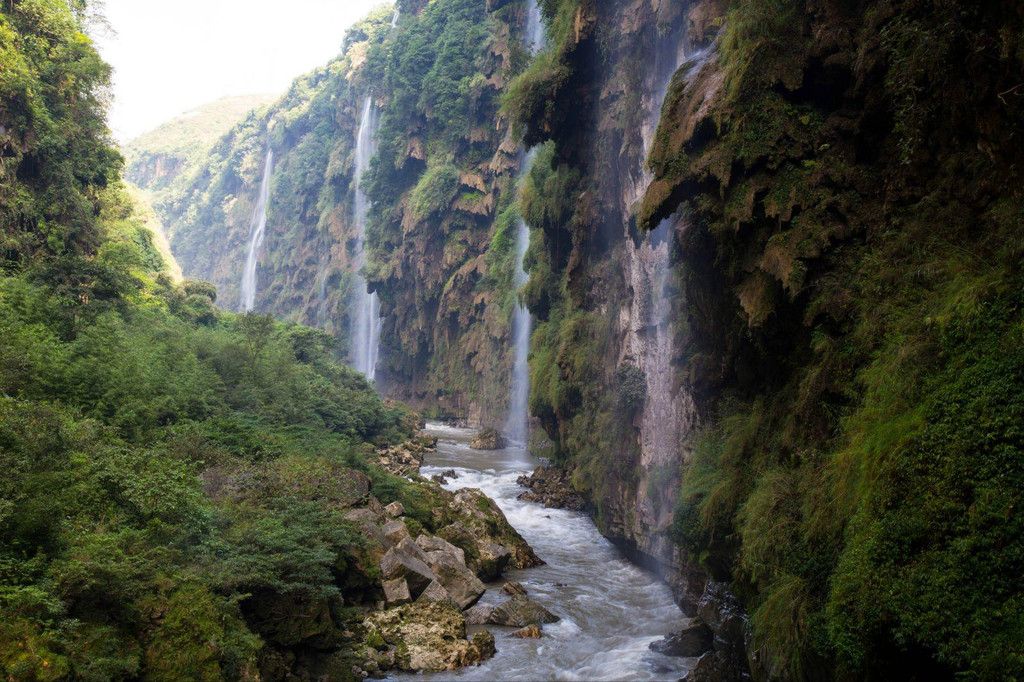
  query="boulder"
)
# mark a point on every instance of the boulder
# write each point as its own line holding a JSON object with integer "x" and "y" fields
{"x": 396, "y": 592}
{"x": 520, "y": 611}
{"x": 494, "y": 559}
{"x": 397, "y": 563}
{"x": 479, "y": 614}
{"x": 395, "y": 531}
{"x": 487, "y": 439}
{"x": 513, "y": 589}
{"x": 529, "y": 632}
{"x": 707, "y": 669}
{"x": 411, "y": 548}
{"x": 435, "y": 592}
{"x": 462, "y": 584}
{"x": 359, "y": 516}
{"x": 435, "y": 544}
{"x": 424, "y": 635}
{"x": 394, "y": 510}
{"x": 693, "y": 640}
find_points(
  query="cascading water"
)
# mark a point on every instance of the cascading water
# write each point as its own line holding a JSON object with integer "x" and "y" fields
{"x": 257, "y": 226}
{"x": 366, "y": 306}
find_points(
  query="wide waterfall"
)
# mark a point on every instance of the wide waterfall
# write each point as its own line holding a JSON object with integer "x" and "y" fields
{"x": 366, "y": 306}
{"x": 257, "y": 227}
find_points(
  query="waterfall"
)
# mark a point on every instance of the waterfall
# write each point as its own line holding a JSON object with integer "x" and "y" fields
{"x": 534, "y": 27}
{"x": 394, "y": 18}
{"x": 517, "y": 423}
{"x": 365, "y": 335}
{"x": 257, "y": 226}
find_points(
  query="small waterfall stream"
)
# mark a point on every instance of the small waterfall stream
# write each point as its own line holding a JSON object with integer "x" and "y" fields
{"x": 535, "y": 40}
{"x": 257, "y": 227}
{"x": 365, "y": 332}
{"x": 610, "y": 609}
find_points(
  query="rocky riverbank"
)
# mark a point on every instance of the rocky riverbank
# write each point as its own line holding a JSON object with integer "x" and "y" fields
{"x": 401, "y": 600}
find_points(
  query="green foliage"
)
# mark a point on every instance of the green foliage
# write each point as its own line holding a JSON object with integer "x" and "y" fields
{"x": 435, "y": 191}
{"x": 58, "y": 152}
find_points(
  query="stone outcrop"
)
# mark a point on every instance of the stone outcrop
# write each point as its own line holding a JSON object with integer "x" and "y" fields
{"x": 551, "y": 486}
{"x": 520, "y": 611}
{"x": 426, "y": 635}
{"x": 692, "y": 640}
{"x": 488, "y": 439}
{"x": 405, "y": 459}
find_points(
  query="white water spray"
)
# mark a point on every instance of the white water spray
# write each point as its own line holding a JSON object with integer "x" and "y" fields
{"x": 257, "y": 227}
{"x": 366, "y": 306}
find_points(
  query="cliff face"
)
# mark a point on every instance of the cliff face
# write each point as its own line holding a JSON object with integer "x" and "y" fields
{"x": 439, "y": 248}
{"x": 612, "y": 319}
{"x": 842, "y": 189}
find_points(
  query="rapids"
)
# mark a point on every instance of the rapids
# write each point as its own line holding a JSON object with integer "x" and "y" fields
{"x": 610, "y": 609}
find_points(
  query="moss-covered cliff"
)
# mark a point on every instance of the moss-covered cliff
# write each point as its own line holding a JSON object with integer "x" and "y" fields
{"x": 844, "y": 181}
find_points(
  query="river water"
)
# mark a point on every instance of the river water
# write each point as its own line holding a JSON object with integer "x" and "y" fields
{"x": 610, "y": 609}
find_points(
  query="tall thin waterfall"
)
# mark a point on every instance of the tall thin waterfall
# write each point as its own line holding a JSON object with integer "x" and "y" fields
{"x": 366, "y": 306}
{"x": 668, "y": 411}
{"x": 257, "y": 227}
{"x": 517, "y": 422}
{"x": 534, "y": 27}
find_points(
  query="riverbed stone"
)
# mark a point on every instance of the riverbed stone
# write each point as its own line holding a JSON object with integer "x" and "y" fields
{"x": 520, "y": 611}
{"x": 488, "y": 439}
{"x": 512, "y": 588}
{"x": 694, "y": 639}
{"x": 430, "y": 543}
{"x": 529, "y": 632}
{"x": 462, "y": 584}
{"x": 396, "y": 592}
{"x": 479, "y": 614}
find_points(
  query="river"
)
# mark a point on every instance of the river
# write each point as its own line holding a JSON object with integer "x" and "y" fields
{"x": 610, "y": 609}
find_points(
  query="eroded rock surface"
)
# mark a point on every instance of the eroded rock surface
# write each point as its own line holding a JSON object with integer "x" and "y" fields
{"x": 551, "y": 487}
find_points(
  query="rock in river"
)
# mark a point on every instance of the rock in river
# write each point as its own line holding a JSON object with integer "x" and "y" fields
{"x": 520, "y": 611}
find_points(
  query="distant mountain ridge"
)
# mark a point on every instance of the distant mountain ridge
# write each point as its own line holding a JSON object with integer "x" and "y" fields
{"x": 154, "y": 159}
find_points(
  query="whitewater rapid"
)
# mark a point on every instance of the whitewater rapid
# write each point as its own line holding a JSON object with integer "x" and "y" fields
{"x": 610, "y": 609}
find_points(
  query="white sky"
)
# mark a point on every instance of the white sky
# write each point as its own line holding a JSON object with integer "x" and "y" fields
{"x": 169, "y": 57}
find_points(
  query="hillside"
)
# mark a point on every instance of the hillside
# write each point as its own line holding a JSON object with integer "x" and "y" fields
{"x": 155, "y": 159}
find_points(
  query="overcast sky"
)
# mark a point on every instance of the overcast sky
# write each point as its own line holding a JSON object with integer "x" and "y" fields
{"x": 172, "y": 57}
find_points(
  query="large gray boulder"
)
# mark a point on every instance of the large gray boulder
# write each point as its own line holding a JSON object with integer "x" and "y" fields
{"x": 479, "y": 614}
{"x": 396, "y": 592}
{"x": 395, "y": 531}
{"x": 398, "y": 563}
{"x": 520, "y": 611}
{"x": 430, "y": 543}
{"x": 461, "y": 583}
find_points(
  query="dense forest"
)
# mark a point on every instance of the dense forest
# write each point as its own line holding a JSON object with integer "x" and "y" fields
{"x": 775, "y": 291}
